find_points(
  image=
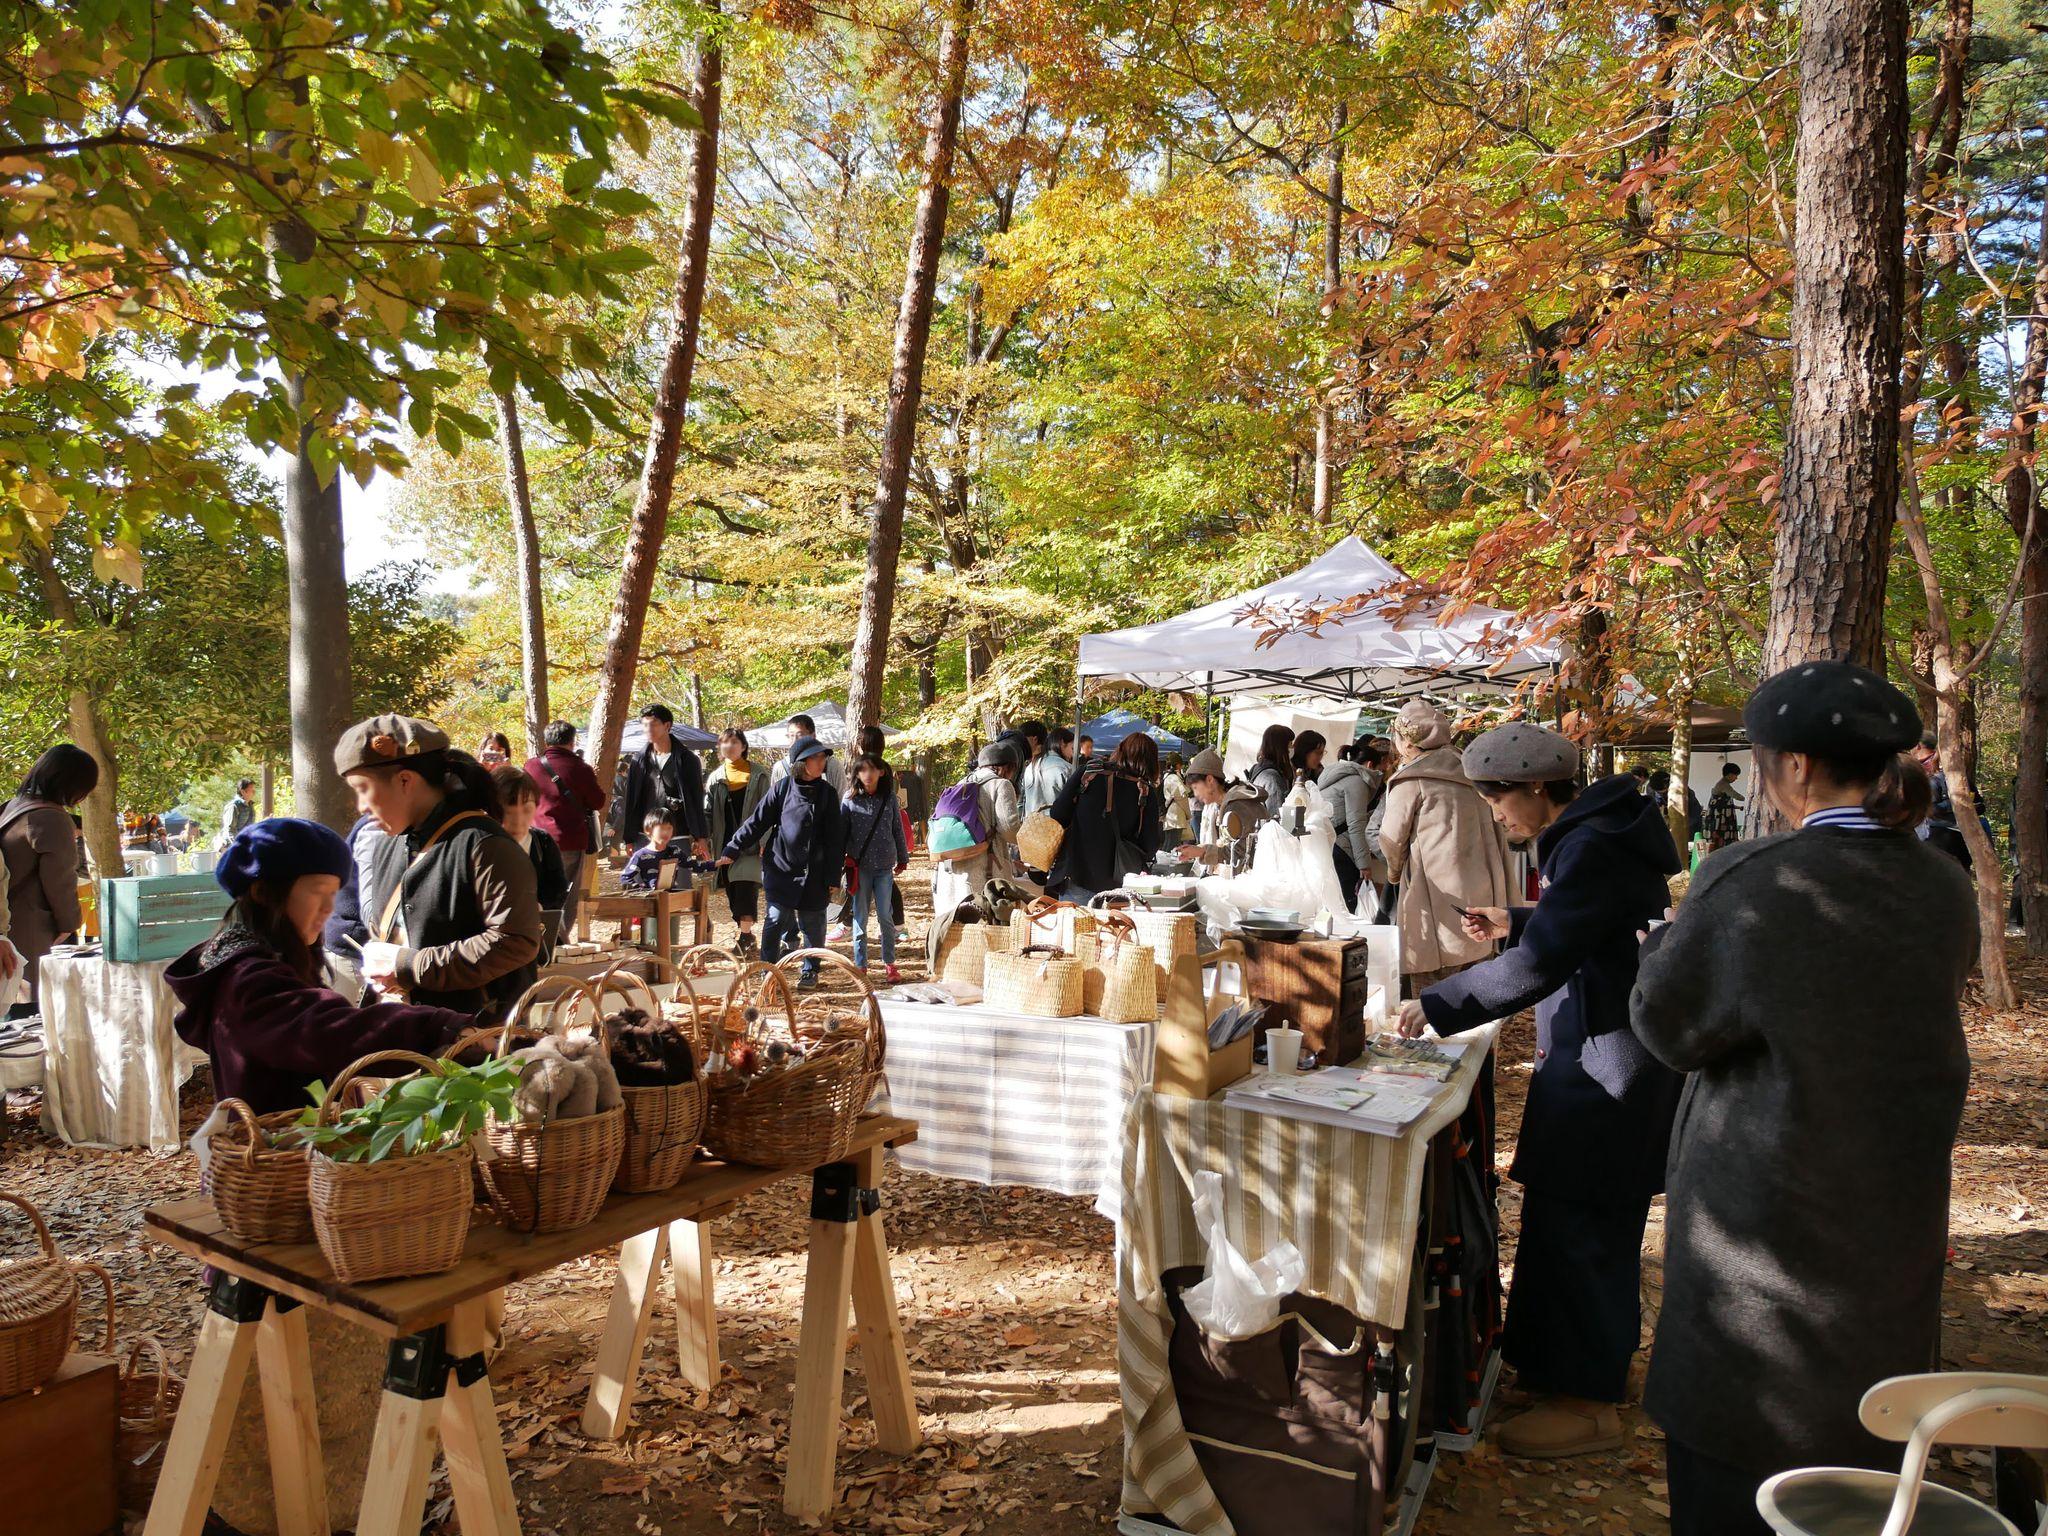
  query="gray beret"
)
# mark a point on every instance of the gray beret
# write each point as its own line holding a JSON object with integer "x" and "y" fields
{"x": 389, "y": 741}
{"x": 1831, "y": 708}
{"x": 1520, "y": 753}
{"x": 997, "y": 754}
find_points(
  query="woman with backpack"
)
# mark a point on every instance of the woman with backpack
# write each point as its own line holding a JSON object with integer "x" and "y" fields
{"x": 972, "y": 827}
{"x": 1273, "y": 774}
{"x": 1113, "y": 813}
{"x": 876, "y": 853}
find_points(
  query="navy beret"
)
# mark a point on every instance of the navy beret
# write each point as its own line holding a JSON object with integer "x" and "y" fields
{"x": 1831, "y": 709}
{"x": 278, "y": 851}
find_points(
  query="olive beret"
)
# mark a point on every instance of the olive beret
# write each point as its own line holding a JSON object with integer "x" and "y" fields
{"x": 1832, "y": 709}
{"x": 1521, "y": 753}
{"x": 388, "y": 741}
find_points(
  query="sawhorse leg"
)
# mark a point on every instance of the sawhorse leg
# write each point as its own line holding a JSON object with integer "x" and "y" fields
{"x": 436, "y": 1386}
{"x": 241, "y": 1317}
{"x": 614, "y": 1383}
{"x": 845, "y": 1200}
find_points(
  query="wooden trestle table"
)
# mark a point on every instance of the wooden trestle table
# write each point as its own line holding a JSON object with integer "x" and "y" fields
{"x": 437, "y": 1387}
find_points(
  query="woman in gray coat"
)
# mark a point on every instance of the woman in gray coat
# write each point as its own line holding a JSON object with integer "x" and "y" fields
{"x": 40, "y": 843}
{"x": 1809, "y": 984}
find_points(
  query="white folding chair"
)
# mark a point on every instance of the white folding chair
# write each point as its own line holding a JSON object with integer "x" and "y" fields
{"x": 1942, "y": 1408}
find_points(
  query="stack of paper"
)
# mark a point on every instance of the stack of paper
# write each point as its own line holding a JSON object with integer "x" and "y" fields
{"x": 1340, "y": 1096}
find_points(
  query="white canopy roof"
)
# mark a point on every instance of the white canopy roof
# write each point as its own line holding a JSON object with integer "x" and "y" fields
{"x": 833, "y": 730}
{"x": 1365, "y": 656}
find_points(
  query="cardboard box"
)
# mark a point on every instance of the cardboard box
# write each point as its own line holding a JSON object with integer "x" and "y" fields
{"x": 1182, "y": 1062}
{"x": 57, "y": 1452}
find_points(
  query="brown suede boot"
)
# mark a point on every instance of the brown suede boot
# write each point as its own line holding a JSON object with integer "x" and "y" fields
{"x": 1561, "y": 1426}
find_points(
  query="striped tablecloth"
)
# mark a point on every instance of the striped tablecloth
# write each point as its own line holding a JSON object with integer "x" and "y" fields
{"x": 1349, "y": 1200}
{"x": 1001, "y": 1098}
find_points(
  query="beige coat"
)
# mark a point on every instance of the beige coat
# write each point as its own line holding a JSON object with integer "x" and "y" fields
{"x": 1446, "y": 851}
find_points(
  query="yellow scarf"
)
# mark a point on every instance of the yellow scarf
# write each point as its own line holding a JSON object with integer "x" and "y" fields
{"x": 737, "y": 774}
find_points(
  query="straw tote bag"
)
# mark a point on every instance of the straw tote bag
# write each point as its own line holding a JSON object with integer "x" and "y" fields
{"x": 1119, "y": 978}
{"x": 1041, "y": 982}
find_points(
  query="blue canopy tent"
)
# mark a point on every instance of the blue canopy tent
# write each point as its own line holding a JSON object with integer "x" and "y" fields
{"x": 1107, "y": 730}
{"x": 634, "y": 738}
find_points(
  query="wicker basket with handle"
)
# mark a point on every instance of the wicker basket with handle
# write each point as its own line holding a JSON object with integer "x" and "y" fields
{"x": 801, "y": 1115}
{"x": 38, "y": 1306}
{"x": 149, "y": 1401}
{"x": 1042, "y": 981}
{"x": 1038, "y": 840}
{"x": 1119, "y": 977}
{"x": 663, "y": 1124}
{"x": 406, "y": 1215}
{"x": 1046, "y": 921}
{"x": 259, "y": 1188}
{"x": 964, "y": 951}
{"x": 553, "y": 1175}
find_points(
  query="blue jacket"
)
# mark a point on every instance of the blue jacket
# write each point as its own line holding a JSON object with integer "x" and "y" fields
{"x": 806, "y": 842}
{"x": 1600, "y": 1135}
{"x": 643, "y": 869}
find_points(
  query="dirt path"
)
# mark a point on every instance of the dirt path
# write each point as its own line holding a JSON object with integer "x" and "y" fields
{"x": 1008, "y": 1302}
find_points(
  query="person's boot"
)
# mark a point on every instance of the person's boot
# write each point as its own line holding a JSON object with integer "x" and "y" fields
{"x": 746, "y": 947}
{"x": 1561, "y": 1426}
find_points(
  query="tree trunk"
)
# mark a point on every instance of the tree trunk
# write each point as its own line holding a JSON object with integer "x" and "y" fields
{"x": 1683, "y": 686}
{"x": 101, "y": 810}
{"x": 1840, "y": 485}
{"x": 649, "y": 524}
{"x": 533, "y": 630}
{"x": 1325, "y": 503}
{"x": 906, "y": 380}
{"x": 322, "y": 688}
{"x": 266, "y": 791}
{"x": 2023, "y": 510}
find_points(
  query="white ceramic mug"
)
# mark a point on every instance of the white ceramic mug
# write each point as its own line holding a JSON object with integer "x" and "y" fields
{"x": 1283, "y": 1049}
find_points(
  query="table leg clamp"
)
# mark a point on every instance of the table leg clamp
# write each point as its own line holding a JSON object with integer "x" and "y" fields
{"x": 240, "y": 1300}
{"x": 837, "y": 1195}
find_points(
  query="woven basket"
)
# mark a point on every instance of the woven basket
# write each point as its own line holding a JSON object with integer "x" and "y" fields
{"x": 1119, "y": 977}
{"x": 149, "y": 1403}
{"x": 800, "y": 1116}
{"x": 403, "y": 1216}
{"x": 1038, "y": 840}
{"x": 663, "y": 1124}
{"x": 1047, "y": 921}
{"x": 1043, "y": 982}
{"x": 1169, "y": 935}
{"x": 38, "y": 1306}
{"x": 553, "y": 1176}
{"x": 964, "y": 952}
{"x": 259, "y": 1189}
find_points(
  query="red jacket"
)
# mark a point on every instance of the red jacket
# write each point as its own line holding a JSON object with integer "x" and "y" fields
{"x": 565, "y": 807}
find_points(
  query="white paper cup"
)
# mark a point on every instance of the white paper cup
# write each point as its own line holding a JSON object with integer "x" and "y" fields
{"x": 1283, "y": 1049}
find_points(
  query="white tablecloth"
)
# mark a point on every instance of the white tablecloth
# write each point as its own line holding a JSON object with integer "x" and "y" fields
{"x": 113, "y": 1065}
{"x": 1005, "y": 1099}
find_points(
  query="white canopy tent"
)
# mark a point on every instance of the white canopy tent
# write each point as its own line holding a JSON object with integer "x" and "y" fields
{"x": 833, "y": 730}
{"x": 1368, "y": 655}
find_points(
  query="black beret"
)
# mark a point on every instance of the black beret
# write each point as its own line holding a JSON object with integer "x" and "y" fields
{"x": 1831, "y": 709}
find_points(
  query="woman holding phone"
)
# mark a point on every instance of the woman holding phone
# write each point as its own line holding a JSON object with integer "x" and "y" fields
{"x": 1590, "y": 1156}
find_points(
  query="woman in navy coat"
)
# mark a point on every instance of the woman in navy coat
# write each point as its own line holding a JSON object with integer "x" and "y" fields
{"x": 1598, "y": 1118}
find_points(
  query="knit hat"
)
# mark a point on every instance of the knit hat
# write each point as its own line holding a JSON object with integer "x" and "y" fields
{"x": 997, "y": 754}
{"x": 389, "y": 741}
{"x": 1422, "y": 726}
{"x": 1831, "y": 708}
{"x": 1521, "y": 753}
{"x": 279, "y": 851}
{"x": 1206, "y": 764}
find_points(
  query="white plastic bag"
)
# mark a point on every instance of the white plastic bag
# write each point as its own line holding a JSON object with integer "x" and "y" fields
{"x": 1236, "y": 1298}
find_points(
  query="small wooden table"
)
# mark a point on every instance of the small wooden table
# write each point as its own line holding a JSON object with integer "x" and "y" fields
{"x": 656, "y": 909}
{"x": 436, "y": 1384}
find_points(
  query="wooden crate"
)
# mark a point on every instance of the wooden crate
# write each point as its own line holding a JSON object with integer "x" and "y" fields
{"x": 57, "y": 1452}
{"x": 1318, "y": 986}
{"x": 158, "y": 917}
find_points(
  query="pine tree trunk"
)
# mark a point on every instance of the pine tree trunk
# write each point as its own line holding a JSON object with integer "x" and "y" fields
{"x": 533, "y": 630}
{"x": 1840, "y": 484}
{"x": 1325, "y": 503}
{"x": 2029, "y": 522}
{"x": 649, "y": 524}
{"x": 101, "y": 809}
{"x": 906, "y": 380}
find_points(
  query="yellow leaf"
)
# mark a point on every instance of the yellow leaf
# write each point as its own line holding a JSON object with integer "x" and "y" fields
{"x": 35, "y": 496}
{"x": 389, "y": 308}
{"x": 424, "y": 180}
{"x": 118, "y": 562}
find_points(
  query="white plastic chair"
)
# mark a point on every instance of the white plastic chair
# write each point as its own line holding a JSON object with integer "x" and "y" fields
{"x": 1942, "y": 1408}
